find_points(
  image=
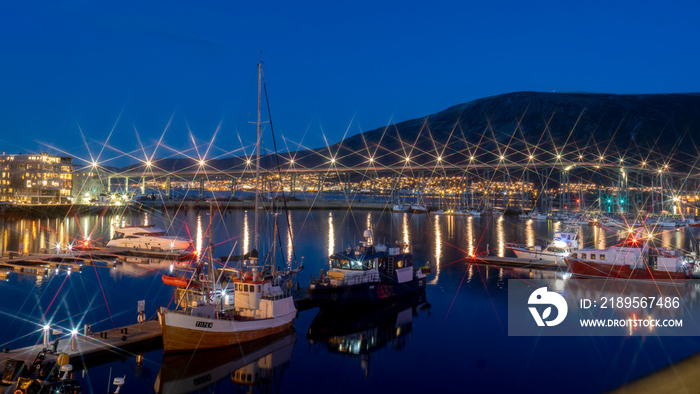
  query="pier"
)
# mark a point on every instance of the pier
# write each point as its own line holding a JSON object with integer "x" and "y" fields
{"x": 83, "y": 347}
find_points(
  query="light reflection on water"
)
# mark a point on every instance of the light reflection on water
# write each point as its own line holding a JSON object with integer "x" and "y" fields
{"x": 529, "y": 233}
{"x": 406, "y": 234}
{"x": 438, "y": 247}
{"x": 331, "y": 236}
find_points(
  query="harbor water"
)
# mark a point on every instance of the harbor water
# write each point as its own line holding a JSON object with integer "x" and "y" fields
{"x": 452, "y": 339}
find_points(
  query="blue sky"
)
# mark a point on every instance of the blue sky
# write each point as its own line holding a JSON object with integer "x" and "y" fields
{"x": 74, "y": 72}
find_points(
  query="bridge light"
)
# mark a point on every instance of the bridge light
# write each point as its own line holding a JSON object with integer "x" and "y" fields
{"x": 471, "y": 158}
{"x": 558, "y": 156}
{"x": 148, "y": 163}
{"x": 247, "y": 161}
{"x": 532, "y": 157}
{"x": 333, "y": 160}
{"x": 201, "y": 163}
{"x": 371, "y": 159}
{"x": 408, "y": 159}
{"x": 439, "y": 158}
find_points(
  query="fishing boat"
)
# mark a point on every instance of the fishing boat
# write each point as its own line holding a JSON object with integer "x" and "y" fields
{"x": 148, "y": 237}
{"x": 262, "y": 303}
{"x": 561, "y": 246}
{"x": 367, "y": 274}
{"x": 633, "y": 258}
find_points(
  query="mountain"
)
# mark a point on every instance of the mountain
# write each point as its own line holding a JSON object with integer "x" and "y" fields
{"x": 658, "y": 129}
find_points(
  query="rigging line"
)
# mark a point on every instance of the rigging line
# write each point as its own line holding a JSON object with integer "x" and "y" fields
{"x": 284, "y": 198}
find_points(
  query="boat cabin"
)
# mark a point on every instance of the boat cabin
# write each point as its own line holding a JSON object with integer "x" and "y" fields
{"x": 370, "y": 263}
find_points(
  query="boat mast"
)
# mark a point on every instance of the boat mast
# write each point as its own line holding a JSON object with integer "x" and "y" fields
{"x": 257, "y": 161}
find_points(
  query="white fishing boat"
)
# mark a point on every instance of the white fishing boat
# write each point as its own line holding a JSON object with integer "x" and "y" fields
{"x": 148, "y": 237}
{"x": 262, "y": 302}
{"x": 561, "y": 246}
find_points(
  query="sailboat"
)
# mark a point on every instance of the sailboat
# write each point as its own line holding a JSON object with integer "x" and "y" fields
{"x": 262, "y": 298}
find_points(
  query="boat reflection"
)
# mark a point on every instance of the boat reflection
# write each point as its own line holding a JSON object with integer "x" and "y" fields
{"x": 359, "y": 332}
{"x": 253, "y": 364}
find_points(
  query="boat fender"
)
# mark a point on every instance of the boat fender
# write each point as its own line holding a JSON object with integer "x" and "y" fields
{"x": 141, "y": 317}
{"x": 202, "y": 278}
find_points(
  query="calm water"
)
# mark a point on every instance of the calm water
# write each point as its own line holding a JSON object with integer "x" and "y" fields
{"x": 454, "y": 340}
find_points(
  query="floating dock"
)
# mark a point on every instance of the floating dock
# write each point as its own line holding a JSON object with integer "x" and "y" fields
{"x": 104, "y": 343}
{"x": 514, "y": 262}
{"x": 107, "y": 257}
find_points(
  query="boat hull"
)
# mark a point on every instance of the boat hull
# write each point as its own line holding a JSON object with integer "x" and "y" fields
{"x": 183, "y": 332}
{"x": 537, "y": 255}
{"x": 597, "y": 270}
{"x": 365, "y": 293}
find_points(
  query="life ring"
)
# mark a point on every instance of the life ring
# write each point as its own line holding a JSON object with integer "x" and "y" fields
{"x": 141, "y": 318}
{"x": 568, "y": 244}
{"x": 18, "y": 391}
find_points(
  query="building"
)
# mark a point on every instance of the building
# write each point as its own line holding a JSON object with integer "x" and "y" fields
{"x": 36, "y": 178}
{"x": 88, "y": 186}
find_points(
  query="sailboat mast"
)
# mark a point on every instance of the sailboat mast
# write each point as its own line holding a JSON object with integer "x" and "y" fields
{"x": 257, "y": 161}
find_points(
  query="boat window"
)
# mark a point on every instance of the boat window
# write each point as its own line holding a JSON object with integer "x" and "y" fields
{"x": 131, "y": 236}
{"x": 592, "y": 256}
{"x": 583, "y": 255}
{"x": 245, "y": 287}
{"x": 399, "y": 263}
{"x": 356, "y": 265}
{"x": 574, "y": 255}
{"x": 602, "y": 257}
{"x": 251, "y": 289}
{"x": 118, "y": 235}
{"x": 259, "y": 287}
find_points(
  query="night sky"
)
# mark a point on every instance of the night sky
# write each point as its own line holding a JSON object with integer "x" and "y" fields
{"x": 77, "y": 74}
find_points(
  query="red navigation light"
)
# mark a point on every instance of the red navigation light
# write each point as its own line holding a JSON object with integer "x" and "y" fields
{"x": 634, "y": 239}
{"x": 578, "y": 201}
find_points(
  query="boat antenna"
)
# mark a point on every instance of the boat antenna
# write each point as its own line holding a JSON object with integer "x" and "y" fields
{"x": 257, "y": 159}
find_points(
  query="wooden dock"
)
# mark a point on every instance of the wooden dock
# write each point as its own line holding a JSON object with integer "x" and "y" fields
{"x": 117, "y": 341}
{"x": 74, "y": 260}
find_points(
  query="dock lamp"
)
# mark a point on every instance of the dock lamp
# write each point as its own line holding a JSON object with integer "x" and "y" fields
{"x": 73, "y": 340}
{"x": 47, "y": 335}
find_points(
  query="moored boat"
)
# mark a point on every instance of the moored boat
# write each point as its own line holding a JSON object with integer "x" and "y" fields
{"x": 148, "y": 237}
{"x": 262, "y": 306}
{"x": 561, "y": 246}
{"x": 367, "y": 274}
{"x": 262, "y": 303}
{"x": 634, "y": 258}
